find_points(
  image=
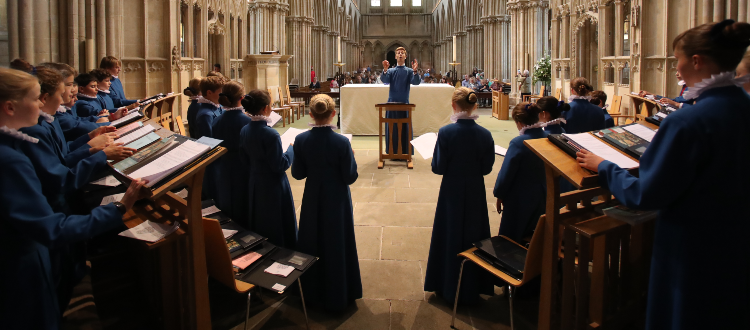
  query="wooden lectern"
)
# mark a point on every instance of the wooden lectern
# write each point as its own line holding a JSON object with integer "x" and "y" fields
{"x": 613, "y": 291}
{"x": 643, "y": 107}
{"x": 395, "y": 123}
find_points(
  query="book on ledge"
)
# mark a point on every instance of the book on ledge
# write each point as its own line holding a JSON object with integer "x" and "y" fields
{"x": 627, "y": 138}
{"x": 270, "y": 52}
{"x": 573, "y": 143}
{"x": 662, "y": 114}
{"x": 126, "y": 120}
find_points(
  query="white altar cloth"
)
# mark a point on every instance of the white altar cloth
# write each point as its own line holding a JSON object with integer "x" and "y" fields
{"x": 360, "y": 117}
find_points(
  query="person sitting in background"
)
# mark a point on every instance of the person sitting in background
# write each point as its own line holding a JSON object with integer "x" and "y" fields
{"x": 524, "y": 83}
{"x": 315, "y": 84}
{"x": 483, "y": 86}
{"x": 334, "y": 84}
{"x": 472, "y": 83}
{"x": 599, "y": 98}
{"x": 465, "y": 82}
{"x": 496, "y": 85}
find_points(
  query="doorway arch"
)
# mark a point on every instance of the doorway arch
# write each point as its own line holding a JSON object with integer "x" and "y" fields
{"x": 586, "y": 48}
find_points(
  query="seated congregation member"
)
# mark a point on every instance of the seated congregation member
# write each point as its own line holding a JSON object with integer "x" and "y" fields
{"x": 103, "y": 86}
{"x": 232, "y": 169}
{"x": 694, "y": 173}
{"x": 88, "y": 104}
{"x": 599, "y": 99}
{"x": 269, "y": 202}
{"x": 30, "y": 227}
{"x": 552, "y": 110}
{"x": 73, "y": 127}
{"x": 209, "y": 107}
{"x": 582, "y": 116}
{"x": 326, "y": 230}
{"x": 524, "y": 83}
{"x": 117, "y": 93}
{"x": 521, "y": 185}
{"x": 315, "y": 84}
{"x": 464, "y": 154}
{"x": 193, "y": 91}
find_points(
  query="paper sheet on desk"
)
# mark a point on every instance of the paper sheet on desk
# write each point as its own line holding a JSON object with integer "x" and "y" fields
{"x": 211, "y": 142}
{"x": 500, "y": 150}
{"x": 228, "y": 232}
{"x": 279, "y": 269}
{"x": 126, "y": 118}
{"x": 288, "y": 137}
{"x": 210, "y": 210}
{"x": 127, "y": 128}
{"x": 151, "y": 231}
{"x": 601, "y": 149}
{"x": 425, "y": 144}
{"x": 109, "y": 181}
{"x": 641, "y": 131}
{"x": 167, "y": 163}
{"x": 135, "y": 134}
{"x": 112, "y": 198}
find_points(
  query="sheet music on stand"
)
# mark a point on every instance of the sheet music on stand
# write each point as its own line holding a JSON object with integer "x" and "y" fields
{"x": 170, "y": 162}
{"x": 601, "y": 149}
{"x": 128, "y": 118}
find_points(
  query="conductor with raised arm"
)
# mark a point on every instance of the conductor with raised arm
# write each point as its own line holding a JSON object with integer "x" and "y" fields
{"x": 400, "y": 80}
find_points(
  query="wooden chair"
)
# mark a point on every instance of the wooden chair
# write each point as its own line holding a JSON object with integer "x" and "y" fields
{"x": 531, "y": 269}
{"x": 300, "y": 105}
{"x": 166, "y": 121}
{"x": 293, "y": 108}
{"x": 496, "y": 104}
{"x": 281, "y": 111}
{"x": 558, "y": 94}
{"x": 180, "y": 125}
{"x": 532, "y": 98}
{"x": 615, "y": 113}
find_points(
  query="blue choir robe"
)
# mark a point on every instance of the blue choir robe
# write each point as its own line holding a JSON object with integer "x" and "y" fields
{"x": 106, "y": 101}
{"x": 87, "y": 106}
{"x": 583, "y": 117}
{"x": 464, "y": 154}
{"x": 233, "y": 170}
{"x": 204, "y": 121}
{"x": 270, "y": 204}
{"x": 191, "y": 112}
{"x": 28, "y": 229}
{"x": 74, "y": 127}
{"x": 608, "y": 120}
{"x": 554, "y": 129}
{"x": 326, "y": 230}
{"x": 400, "y": 79}
{"x": 694, "y": 173}
{"x": 118, "y": 93}
{"x": 522, "y": 186}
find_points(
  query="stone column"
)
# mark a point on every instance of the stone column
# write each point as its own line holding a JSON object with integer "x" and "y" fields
{"x": 14, "y": 41}
{"x": 111, "y": 50}
{"x": 26, "y": 30}
{"x": 100, "y": 28}
{"x": 41, "y": 33}
{"x": 719, "y": 11}
{"x": 742, "y": 10}
{"x": 73, "y": 58}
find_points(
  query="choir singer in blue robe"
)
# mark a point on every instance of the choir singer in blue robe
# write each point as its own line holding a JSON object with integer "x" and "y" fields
{"x": 695, "y": 173}
{"x": 326, "y": 229}
{"x": 400, "y": 80}
{"x": 582, "y": 116}
{"x": 464, "y": 154}
{"x": 28, "y": 226}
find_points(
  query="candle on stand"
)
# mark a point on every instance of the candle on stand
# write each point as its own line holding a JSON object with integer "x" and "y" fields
{"x": 338, "y": 41}
{"x": 454, "y": 49}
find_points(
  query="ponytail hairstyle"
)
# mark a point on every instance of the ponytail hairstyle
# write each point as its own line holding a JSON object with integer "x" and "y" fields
{"x": 321, "y": 106}
{"x": 255, "y": 101}
{"x": 465, "y": 99}
{"x": 581, "y": 86}
{"x": 552, "y": 106}
{"x": 231, "y": 92}
{"x": 194, "y": 88}
{"x": 49, "y": 80}
{"x": 15, "y": 84}
{"x": 724, "y": 43}
{"x": 526, "y": 113}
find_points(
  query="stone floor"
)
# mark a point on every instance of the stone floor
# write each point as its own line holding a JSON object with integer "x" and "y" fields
{"x": 394, "y": 210}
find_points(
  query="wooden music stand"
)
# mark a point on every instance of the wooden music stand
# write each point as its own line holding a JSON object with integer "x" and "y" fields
{"x": 641, "y": 105}
{"x": 182, "y": 255}
{"x": 395, "y": 122}
{"x": 580, "y": 217}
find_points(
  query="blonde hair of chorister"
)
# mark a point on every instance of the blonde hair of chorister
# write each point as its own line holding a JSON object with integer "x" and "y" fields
{"x": 465, "y": 99}
{"x": 231, "y": 92}
{"x": 49, "y": 80}
{"x": 109, "y": 62}
{"x": 321, "y": 106}
{"x": 211, "y": 84}
{"x": 15, "y": 84}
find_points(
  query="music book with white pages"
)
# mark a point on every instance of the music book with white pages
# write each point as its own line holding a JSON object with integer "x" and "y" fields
{"x": 288, "y": 137}
{"x": 601, "y": 149}
{"x": 170, "y": 162}
{"x": 135, "y": 134}
{"x": 275, "y": 117}
{"x": 641, "y": 131}
{"x": 279, "y": 269}
{"x": 500, "y": 150}
{"x": 151, "y": 231}
{"x": 425, "y": 144}
{"x": 127, "y": 118}
{"x": 127, "y": 128}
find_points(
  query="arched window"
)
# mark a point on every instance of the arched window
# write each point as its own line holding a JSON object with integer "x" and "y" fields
{"x": 416, "y": 3}
{"x": 375, "y": 3}
{"x": 397, "y": 3}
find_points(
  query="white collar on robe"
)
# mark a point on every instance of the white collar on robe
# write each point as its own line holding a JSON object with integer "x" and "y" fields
{"x": 313, "y": 125}
{"x": 235, "y": 108}
{"x": 723, "y": 79}
{"x": 115, "y": 77}
{"x": 577, "y": 97}
{"x": 63, "y": 108}
{"x": 681, "y": 83}
{"x": 463, "y": 115}
{"x": 17, "y": 134}
{"x": 103, "y": 91}
{"x": 47, "y": 117}
{"x": 260, "y": 118}
{"x": 192, "y": 98}
{"x": 84, "y": 96}
{"x": 202, "y": 99}
{"x": 540, "y": 125}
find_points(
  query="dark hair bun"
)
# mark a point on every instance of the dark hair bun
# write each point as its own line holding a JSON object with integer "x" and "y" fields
{"x": 225, "y": 100}
{"x": 737, "y": 34}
